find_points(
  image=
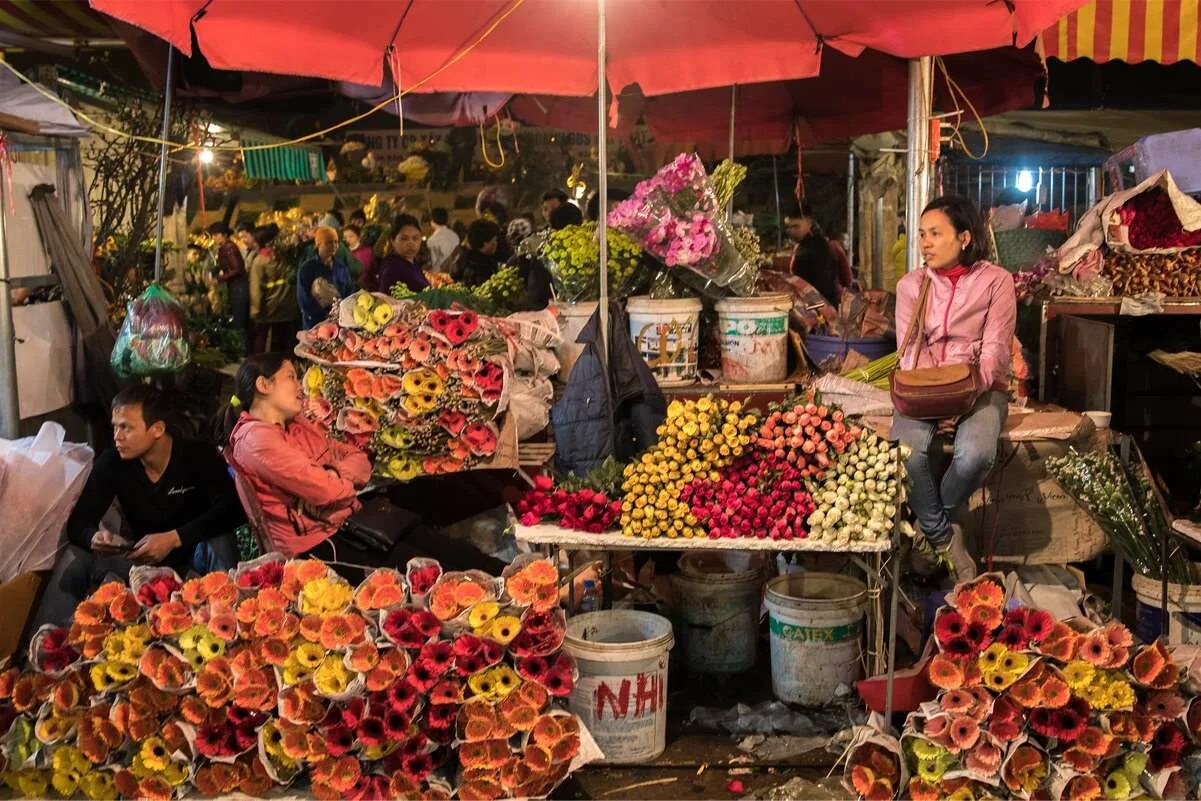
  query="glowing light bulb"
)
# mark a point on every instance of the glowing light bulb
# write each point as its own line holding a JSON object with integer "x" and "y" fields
{"x": 1025, "y": 181}
{"x": 206, "y": 156}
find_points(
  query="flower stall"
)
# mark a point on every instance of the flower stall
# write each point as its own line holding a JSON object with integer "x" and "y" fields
{"x": 410, "y": 685}
{"x": 797, "y": 477}
{"x": 1031, "y": 707}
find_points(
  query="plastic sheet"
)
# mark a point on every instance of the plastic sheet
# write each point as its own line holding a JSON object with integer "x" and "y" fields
{"x": 41, "y": 478}
{"x": 153, "y": 338}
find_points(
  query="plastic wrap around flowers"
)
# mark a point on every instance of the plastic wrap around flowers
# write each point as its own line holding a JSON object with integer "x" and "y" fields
{"x": 676, "y": 217}
{"x": 419, "y": 389}
{"x": 422, "y": 685}
{"x": 1030, "y": 707}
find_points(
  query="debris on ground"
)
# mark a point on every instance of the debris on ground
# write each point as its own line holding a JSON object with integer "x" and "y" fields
{"x": 780, "y": 748}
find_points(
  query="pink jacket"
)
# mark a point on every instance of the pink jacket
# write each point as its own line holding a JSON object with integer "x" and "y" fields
{"x": 971, "y": 321}
{"x": 298, "y": 485}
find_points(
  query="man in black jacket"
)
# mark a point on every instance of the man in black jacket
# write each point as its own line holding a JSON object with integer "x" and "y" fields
{"x": 177, "y": 498}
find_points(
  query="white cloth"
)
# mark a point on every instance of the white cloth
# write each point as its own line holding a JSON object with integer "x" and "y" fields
{"x": 441, "y": 243}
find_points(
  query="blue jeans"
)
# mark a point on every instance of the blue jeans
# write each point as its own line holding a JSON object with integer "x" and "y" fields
{"x": 976, "y": 439}
{"x": 78, "y": 571}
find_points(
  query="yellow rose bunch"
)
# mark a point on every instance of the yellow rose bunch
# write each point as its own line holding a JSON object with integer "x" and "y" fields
{"x": 1000, "y": 667}
{"x": 371, "y": 313}
{"x": 332, "y": 676}
{"x": 325, "y": 596}
{"x": 494, "y": 684}
{"x": 127, "y": 644}
{"x": 697, "y": 440}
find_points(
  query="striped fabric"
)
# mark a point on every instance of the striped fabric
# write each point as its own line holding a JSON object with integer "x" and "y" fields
{"x": 53, "y": 19}
{"x": 1164, "y": 31}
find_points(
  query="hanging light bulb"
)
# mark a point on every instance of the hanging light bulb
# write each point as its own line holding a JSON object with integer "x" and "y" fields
{"x": 206, "y": 156}
{"x": 1025, "y": 181}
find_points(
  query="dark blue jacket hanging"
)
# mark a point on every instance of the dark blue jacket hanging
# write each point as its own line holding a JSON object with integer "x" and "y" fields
{"x": 606, "y": 414}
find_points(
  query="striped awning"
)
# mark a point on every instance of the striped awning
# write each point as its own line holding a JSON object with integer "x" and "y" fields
{"x": 1164, "y": 31}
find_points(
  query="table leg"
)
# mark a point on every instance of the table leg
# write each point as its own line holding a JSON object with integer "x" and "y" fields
{"x": 892, "y": 633}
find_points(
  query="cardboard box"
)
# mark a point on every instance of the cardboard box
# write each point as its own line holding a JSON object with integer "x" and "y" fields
{"x": 1035, "y": 521}
{"x": 18, "y": 598}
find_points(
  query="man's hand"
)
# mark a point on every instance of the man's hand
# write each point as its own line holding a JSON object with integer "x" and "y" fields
{"x": 107, "y": 543}
{"x": 153, "y": 548}
{"x": 947, "y": 427}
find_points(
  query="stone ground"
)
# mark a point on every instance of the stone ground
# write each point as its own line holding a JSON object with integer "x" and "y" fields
{"x": 699, "y": 764}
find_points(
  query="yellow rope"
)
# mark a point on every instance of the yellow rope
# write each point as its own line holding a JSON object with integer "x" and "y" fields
{"x": 499, "y": 145}
{"x": 154, "y": 140}
{"x": 956, "y": 93}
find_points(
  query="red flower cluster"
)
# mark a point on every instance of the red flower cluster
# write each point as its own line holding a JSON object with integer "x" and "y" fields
{"x": 268, "y": 574}
{"x": 473, "y": 654}
{"x": 233, "y": 736}
{"x": 456, "y": 326}
{"x": 556, "y": 674}
{"x": 422, "y": 578}
{"x": 411, "y": 628}
{"x": 1023, "y": 627}
{"x": 1064, "y": 724}
{"x": 1167, "y": 747}
{"x": 582, "y": 510}
{"x": 1152, "y": 222}
{"x": 542, "y": 633}
{"x": 757, "y": 497}
{"x": 158, "y": 590}
{"x": 54, "y": 651}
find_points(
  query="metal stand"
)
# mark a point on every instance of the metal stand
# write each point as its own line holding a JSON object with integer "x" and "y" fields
{"x": 162, "y": 164}
{"x": 10, "y": 413}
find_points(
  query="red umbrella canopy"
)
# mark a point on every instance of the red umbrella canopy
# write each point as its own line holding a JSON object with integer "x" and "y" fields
{"x": 549, "y": 46}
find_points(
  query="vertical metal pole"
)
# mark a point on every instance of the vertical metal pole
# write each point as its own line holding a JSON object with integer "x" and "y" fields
{"x": 602, "y": 182}
{"x": 162, "y": 163}
{"x": 917, "y": 191}
{"x": 851, "y": 207}
{"x": 733, "y": 108}
{"x": 10, "y": 412}
{"x": 775, "y": 180}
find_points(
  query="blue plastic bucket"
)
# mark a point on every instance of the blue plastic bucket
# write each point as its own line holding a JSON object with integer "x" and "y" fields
{"x": 820, "y": 347}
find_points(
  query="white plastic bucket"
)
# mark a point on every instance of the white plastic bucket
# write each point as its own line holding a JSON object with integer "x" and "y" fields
{"x": 718, "y": 615}
{"x": 815, "y": 622}
{"x": 754, "y": 338}
{"x": 572, "y": 319}
{"x": 1184, "y": 607}
{"x": 667, "y": 333}
{"x": 621, "y": 695}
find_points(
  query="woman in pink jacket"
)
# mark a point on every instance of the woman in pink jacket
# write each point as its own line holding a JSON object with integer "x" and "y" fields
{"x": 300, "y": 488}
{"x": 971, "y": 310}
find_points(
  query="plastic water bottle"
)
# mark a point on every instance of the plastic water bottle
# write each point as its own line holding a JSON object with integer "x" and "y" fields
{"x": 590, "y": 601}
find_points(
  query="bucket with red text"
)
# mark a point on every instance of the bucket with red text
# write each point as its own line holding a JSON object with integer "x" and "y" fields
{"x": 621, "y": 695}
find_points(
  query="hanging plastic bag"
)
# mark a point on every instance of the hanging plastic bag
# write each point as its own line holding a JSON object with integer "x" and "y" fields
{"x": 41, "y": 478}
{"x": 153, "y": 338}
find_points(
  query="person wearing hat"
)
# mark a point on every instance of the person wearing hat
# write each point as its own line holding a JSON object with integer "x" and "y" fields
{"x": 323, "y": 279}
{"x": 231, "y": 271}
{"x": 519, "y": 228}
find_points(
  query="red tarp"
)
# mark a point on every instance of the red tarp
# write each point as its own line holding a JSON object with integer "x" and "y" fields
{"x": 549, "y": 46}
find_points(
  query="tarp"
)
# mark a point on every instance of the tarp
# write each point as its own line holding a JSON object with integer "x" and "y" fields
{"x": 21, "y": 100}
{"x": 1164, "y": 31}
{"x": 550, "y": 46}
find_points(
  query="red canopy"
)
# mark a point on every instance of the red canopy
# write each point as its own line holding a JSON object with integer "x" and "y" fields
{"x": 549, "y": 46}
{"x": 851, "y": 97}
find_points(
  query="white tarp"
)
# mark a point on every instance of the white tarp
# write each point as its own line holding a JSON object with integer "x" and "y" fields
{"x": 22, "y": 100}
{"x": 43, "y": 358}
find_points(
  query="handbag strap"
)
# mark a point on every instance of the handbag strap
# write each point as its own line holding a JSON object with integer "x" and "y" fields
{"x": 919, "y": 318}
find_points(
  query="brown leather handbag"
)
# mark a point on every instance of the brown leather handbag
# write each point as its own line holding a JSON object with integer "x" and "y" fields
{"x": 932, "y": 393}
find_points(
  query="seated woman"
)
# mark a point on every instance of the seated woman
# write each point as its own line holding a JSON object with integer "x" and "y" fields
{"x": 301, "y": 488}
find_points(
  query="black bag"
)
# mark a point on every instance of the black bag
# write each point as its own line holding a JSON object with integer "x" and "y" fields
{"x": 378, "y": 526}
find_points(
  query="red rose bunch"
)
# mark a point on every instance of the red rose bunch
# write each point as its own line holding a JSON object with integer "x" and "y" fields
{"x": 581, "y": 510}
{"x": 53, "y": 651}
{"x": 158, "y": 590}
{"x": 409, "y": 627}
{"x": 268, "y": 574}
{"x": 756, "y": 496}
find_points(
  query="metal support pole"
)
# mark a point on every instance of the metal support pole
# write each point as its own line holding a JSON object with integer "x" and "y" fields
{"x": 162, "y": 163}
{"x": 733, "y": 107}
{"x": 10, "y": 412}
{"x": 775, "y": 181}
{"x": 917, "y": 191}
{"x": 851, "y": 208}
{"x": 602, "y": 181}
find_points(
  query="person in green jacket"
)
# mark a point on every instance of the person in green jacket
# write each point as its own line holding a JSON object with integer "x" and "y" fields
{"x": 272, "y": 295}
